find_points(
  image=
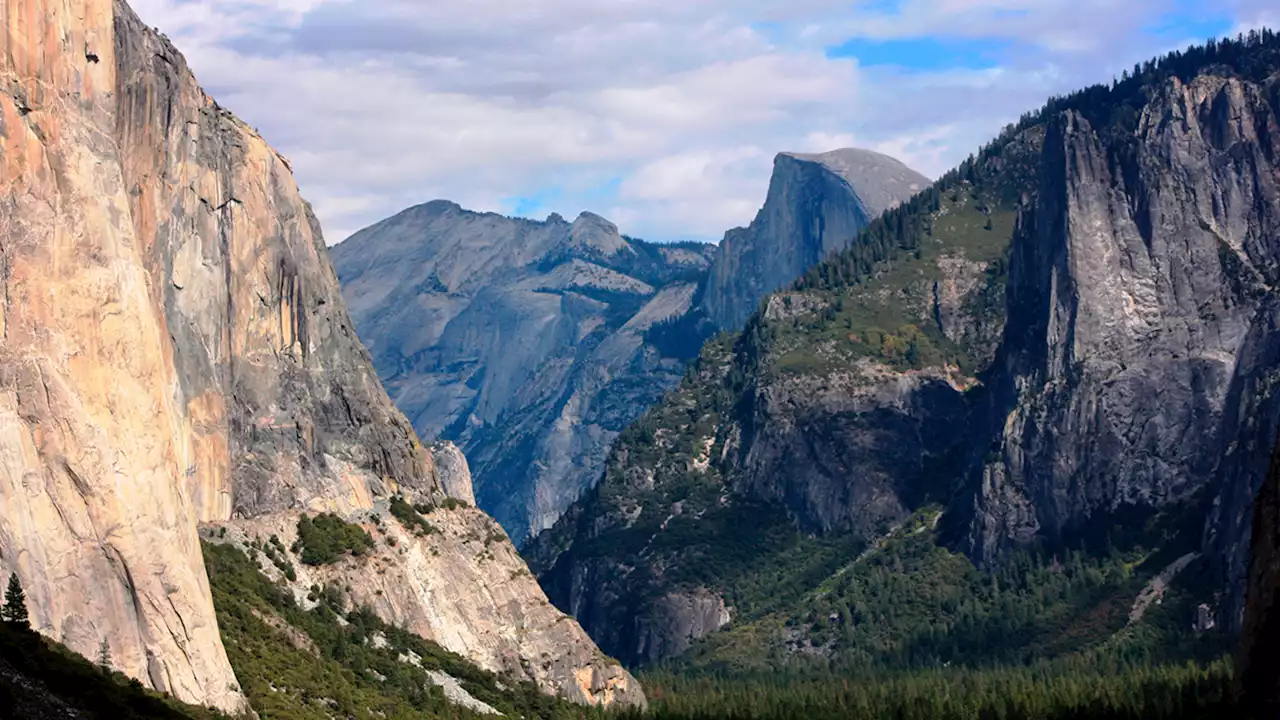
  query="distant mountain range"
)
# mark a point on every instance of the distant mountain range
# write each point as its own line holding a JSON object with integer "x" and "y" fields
{"x": 533, "y": 344}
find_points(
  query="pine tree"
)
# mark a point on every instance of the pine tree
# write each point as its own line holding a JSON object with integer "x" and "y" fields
{"x": 104, "y": 656}
{"x": 14, "y": 612}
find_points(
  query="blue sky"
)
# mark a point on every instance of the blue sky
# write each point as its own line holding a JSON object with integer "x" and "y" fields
{"x": 926, "y": 54}
{"x": 664, "y": 117}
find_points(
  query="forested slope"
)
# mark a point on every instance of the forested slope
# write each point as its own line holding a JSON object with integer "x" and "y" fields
{"x": 1057, "y": 355}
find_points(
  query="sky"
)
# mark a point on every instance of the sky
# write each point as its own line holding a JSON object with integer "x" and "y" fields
{"x": 661, "y": 115}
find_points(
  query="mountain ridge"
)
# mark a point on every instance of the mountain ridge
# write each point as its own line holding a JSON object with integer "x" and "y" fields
{"x": 518, "y": 332}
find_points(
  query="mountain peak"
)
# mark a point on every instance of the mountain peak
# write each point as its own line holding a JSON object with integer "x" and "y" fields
{"x": 592, "y": 231}
{"x": 837, "y": 194}
{"x": 880, "y": 181}
{"x": 441, "y": 205}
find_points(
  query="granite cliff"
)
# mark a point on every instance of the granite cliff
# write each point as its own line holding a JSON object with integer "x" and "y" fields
{"x": 1140, "y": 306}
{"x": 816, "y": 205}
{"x": 1067, "y": 345}
{"x": 532, "y": 344}
{"x": 176, "y": 352}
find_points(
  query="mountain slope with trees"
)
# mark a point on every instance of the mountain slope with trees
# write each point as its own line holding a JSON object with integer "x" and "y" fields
{"x": 1066, "y": 346}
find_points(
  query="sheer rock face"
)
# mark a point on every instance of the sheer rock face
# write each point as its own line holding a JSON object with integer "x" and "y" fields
{"x": 816, "y": 205}
{"x": 847, "y": 450}
{"x": 280, "y": 395}
{"x": 678, "y": 619}
{"x": 1139, "y": 308}
{"x": 97, "y": 511}
{"x": 521, "y": 341}
{"x": 175, "y": 347}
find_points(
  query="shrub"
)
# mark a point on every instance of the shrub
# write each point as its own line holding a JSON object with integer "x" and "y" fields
{"x": 328, "y": 537}
{"x": 410, "y": 517}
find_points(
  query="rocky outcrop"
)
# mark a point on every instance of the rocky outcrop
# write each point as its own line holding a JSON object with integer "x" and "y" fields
{"x": 462, "y": 585}
{"x": 453, "y": 471}
{"x": 175, "y": 349}
{"x": 850, "y": 450}
{"x": 523, "y": 342}
{"x": 678, "y": 620}
{"x": 816, "y": 205}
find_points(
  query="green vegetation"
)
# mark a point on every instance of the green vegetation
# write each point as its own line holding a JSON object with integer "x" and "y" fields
{"x": 888, "y": 315}
{"x": 453, "y": 503}
{"x": 37, "y": 675}
{"x": 298, "y": 664}
{"x": 1058, "y": 691}
{"x": 275, "y": 552}
{"x": 328, "y": 537}
{"x": 410, "y": 517}
{"x": 681, "y": 336}
{"x": 909, "y": 603}
{"x": 14, "y": 612}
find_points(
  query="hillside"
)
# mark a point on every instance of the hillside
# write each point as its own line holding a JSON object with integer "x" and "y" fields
{"x": 1064, "y": 347}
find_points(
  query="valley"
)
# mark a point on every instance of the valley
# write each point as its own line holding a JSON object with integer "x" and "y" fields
{"x": 997, "y": 445}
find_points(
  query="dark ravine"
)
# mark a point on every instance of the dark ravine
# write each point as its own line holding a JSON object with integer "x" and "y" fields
{"x": 533, "y": 344}
{"x": 1257, "y": 664}
{"x": 1073, "y": 332}
{"x": 177, "y": 355}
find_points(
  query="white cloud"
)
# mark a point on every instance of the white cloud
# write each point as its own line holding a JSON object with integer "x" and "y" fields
{"x": 701, "y": 193}
{"x": 662, "y": 115}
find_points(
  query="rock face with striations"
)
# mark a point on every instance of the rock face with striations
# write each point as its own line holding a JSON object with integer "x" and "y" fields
{"x": 175, "y": 351}
{"x": 1141, "y": 335}
{"x": 454, "y": 472}
{"x": 816, "y": 204}
{"x": 523, "y": 342}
